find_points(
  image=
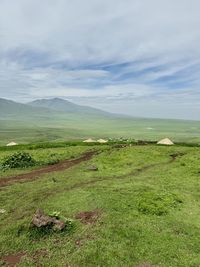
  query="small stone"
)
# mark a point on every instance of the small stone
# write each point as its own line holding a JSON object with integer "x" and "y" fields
{"x": 92, "y": 168}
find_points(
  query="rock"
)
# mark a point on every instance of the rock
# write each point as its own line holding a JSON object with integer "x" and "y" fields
{"x": 40, "y": 219}
{"x": 92, "y": 168}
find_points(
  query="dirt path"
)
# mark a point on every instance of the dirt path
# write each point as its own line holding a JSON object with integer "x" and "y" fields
{"x": 135, "y": 172}
{"x": 29, "y": 176}
{"x": 66, "y": 164}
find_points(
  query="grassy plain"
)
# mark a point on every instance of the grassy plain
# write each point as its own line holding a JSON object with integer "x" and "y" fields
{"x": 64, "y": 128}
{"x": 148, "y": 202}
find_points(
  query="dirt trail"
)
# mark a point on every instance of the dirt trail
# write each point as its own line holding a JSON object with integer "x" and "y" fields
{"x": 134, "y": 172}
{"x": 65, "y": 164}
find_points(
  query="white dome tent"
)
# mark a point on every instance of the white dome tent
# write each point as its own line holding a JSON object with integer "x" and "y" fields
{"x": 165, "y": 141}
{"x": 102, "y": 141}
{"x": 12, "y": 144}
{"x": 90, "y": 140}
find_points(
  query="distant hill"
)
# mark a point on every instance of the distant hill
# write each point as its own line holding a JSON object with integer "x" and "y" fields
{"x": 59, "y": 104}
{"x": 49, "y": 111}
{"x": 46, "y": 107}
{"x": 10, "y": 108}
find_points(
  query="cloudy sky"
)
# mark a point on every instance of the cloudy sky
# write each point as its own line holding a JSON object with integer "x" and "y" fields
{"x": 139, "y": 57}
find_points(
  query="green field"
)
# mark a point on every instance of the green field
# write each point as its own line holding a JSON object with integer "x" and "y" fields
{"x": 64, "y": 128}
{"x": 66, "y": 121}
{"x": 45, "y": 156}
{"x": 146, "y": 200}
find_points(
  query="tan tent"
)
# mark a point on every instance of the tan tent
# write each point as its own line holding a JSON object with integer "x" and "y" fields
{"x": 102, "y": 141}
{"x": 90, "y": 140}
{"x": 12, "y": 144}
{"x": 165, "y": 141}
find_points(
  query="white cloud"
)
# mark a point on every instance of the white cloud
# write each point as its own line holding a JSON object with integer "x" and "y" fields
{"x": 96, "y": 30}
{"x": 57, "y": 48}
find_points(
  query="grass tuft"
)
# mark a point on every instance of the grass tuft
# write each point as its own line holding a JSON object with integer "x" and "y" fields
{"x": 158, "y": 203}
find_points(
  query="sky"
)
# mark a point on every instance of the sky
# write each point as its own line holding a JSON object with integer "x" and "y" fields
{"x": 136, "y": 57}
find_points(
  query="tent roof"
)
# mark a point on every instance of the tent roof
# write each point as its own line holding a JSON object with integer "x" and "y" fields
{"x": 102, "y": 141}
{"x": 90, "y": 140}
{"x": 165, "y": 141}
{"x": 11, "y": 144}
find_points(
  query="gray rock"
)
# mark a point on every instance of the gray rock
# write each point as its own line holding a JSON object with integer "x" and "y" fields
{"x": 40, "y": 219}
{"x": 92, "y": 168}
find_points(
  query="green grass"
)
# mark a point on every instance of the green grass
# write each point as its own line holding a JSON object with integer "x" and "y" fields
{"x": 124, "y": 234}
{"x": 42, "y": 156}
{"x": 72, "y": 127}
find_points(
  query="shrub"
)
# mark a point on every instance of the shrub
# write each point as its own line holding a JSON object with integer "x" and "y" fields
{"x": 18, "y": 160}
{"x": 157, "y": 203}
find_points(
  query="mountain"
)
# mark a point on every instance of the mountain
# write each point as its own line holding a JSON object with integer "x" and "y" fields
{"x": 50, "y": 120}
{"x": 59, "y": 104}
{"x": 46, "y": 106}
{"x": 49, "y": 111}
{"x": 10, "y": 108}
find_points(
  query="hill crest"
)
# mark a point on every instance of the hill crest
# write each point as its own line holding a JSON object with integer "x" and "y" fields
{"x": 59, "y": 104}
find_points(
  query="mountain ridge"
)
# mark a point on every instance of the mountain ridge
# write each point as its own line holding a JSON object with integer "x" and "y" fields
{"x": 10, "y": 107}
{"x": 59, "y": 104}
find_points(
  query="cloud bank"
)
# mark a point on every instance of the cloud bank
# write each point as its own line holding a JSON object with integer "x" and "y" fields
{"x": 137, "y": 57}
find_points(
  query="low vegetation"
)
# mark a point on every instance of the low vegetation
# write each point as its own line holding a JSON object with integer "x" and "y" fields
{"x": 42, "y": 155}
{"x": 157, "y": 203}
{"x": 141, "y": 208}
{"x": 18, "y": 160}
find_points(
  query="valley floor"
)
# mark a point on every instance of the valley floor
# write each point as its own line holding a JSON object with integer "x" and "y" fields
{"x": 141, "y": 208}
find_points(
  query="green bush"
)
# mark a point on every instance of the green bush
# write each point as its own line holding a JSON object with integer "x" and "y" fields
{"x": 18, "y": 160}
{"x": 157, "y": 203}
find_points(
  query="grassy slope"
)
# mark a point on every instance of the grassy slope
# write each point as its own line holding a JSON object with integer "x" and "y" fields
{"x": 123, "y": 236}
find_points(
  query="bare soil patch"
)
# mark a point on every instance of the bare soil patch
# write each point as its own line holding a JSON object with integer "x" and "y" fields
{"x": 88, "y": 217}
{"x": 13, "y": 259}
